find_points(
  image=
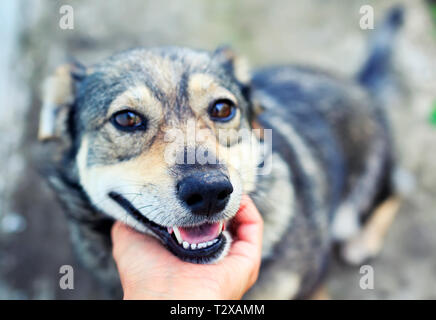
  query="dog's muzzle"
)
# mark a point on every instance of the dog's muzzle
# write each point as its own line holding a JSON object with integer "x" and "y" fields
{"x": 204, "y": 194}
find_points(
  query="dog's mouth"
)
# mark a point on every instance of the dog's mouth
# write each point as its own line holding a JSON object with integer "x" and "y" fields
{"x": 203, "y": 243}
{"x": 197, "y": 237}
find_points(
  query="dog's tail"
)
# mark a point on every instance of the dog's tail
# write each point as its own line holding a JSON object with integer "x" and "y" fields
{"x": 375, "y": 71}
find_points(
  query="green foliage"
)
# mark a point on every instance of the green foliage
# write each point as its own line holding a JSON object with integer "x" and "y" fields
{"x": 433, "y": 11}
{"x": 433, "y": 114}
{"x": 432, "y": 7}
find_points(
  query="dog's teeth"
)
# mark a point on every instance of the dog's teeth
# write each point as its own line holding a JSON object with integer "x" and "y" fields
{"x": 185, "y": 245}
{"x": 194, "y": 246}
{"x": 221, "y": 226}
{"x": 178, "y": 236}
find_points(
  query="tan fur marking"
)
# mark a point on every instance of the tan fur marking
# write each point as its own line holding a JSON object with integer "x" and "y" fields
{"x": 138, "y": 98}
{"x": 203, "y": 89}
{"x": 369, "y": 241}
{"x": 321, "y": 293}
{"x": 242, "y": 69}
{"x": 57, "y": 94}
{"x": 59, "y": 88}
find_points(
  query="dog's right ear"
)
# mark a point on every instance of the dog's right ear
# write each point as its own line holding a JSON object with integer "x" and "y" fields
{"x": 233, "y": 63}
{"x": 58, "y": 99}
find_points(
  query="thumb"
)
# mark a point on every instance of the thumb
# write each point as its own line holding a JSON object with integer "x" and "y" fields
{"x": 129, "y": 245}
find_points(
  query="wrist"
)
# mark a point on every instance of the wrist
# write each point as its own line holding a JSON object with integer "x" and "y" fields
{"x": 180, "y": 291}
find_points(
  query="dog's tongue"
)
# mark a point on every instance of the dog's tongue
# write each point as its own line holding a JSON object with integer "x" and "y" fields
{"x": 202, "y": 233}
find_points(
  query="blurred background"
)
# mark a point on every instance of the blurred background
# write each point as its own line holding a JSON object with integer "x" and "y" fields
{"x": 34, "y": 241}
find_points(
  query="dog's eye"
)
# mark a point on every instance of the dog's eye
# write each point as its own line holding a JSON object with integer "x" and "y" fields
{"x": 222, "y": 110}
{"x": 128, "y": 120}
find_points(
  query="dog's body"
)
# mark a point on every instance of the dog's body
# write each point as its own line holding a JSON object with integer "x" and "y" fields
{"x": 334, "y": 147}
{"x": 331, "y": 158}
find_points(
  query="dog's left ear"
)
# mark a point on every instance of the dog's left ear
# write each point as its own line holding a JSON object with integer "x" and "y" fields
{"x": 234, "y": 64}
{"x": 238, "y": 66}
{"x": 58, "y": 97}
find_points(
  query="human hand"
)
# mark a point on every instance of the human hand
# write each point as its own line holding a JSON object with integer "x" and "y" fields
{"x": 149, "y": 271}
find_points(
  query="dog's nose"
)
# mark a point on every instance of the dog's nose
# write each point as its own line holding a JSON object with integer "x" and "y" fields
{"x": 205, "y": 193}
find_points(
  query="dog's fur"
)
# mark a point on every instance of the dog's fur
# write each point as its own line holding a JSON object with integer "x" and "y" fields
{"x": 331, "y": 160}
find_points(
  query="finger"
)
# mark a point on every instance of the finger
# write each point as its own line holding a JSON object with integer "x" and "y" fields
{"x": 248, "y": 212}
{"x": 245, "y": 254}
{"x": 121, "y": 236}
{"x": 126, "y": 241}
{"x": 248, "y": 223}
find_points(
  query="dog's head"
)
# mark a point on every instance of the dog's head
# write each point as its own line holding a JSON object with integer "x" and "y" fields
{"x": 157, "y": 144}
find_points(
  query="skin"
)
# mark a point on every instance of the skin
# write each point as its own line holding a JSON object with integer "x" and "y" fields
{"x": 149, "y": 271}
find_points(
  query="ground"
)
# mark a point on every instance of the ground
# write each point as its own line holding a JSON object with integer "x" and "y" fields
{"x": 34, "y": 242}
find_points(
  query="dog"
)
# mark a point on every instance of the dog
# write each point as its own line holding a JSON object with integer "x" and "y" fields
{"x": 116, "y": 148}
